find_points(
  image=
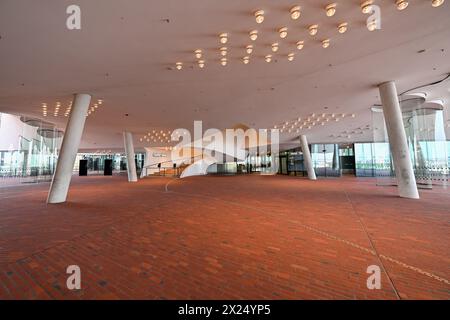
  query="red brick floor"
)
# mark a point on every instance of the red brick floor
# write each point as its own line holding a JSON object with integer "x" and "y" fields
{"x": 244, "y": 237}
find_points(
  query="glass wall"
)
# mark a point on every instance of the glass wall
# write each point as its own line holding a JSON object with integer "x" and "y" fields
{"x": 28, "y": 149}
{"x": 326, "y": 159}
{"x": 291, "y": 162}
{"x": 429, "y": 149}
{"x": 96, "y": 162}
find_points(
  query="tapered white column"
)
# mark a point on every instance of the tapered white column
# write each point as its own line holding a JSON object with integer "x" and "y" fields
{"x": 397, "y": 139}
{"x": 129, "y": 151}
{"x": 307, "y": 161}
{"x": 69, "y": 148}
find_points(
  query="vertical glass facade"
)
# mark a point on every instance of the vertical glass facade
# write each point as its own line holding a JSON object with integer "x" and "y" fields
{"x": 28, "y": 148}
{"x": 96, "y": 162}
{"x": 429, "y": 149}
{"x": 326, "y": 159}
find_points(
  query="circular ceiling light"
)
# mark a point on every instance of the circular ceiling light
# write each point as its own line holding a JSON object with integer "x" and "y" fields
{"x": 401, "y": 4}
{"x": 259, "y": 16}
{"x": 223, "y": 38}
{"x": 275, "y": 47}
{"x": 268, "y": 58}
{"x": 179, "y": 65}
{"x": 291, "y": 56}
{"x": 223, "y": 62}
{"x": 330, "y": 9}
{"x": 223, "y": 51}
{"x": 253, "y": 35}
{"x": 342, "y": 28}
{"x": 246, "y": 60}
{"x": 300, "y": 45}
{"x": 295, "y": 12}
{"x": 283, "y": 32}
{"x": 198, "y": 53}
{"x": 249, "y": 49}
{"x": 313, "y": 29}
{"x": 437, "y": 3}
{"x": 201, "y": 63}
{"x": 366, "y": 6}
{"x": 326, "y": 43}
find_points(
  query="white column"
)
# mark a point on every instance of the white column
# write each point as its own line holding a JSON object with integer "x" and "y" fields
{"x": 307, "y": 161}
{"x": 129, "y": 151}
{"x": 397, "y": 139}
{"x": 69, "y": 148}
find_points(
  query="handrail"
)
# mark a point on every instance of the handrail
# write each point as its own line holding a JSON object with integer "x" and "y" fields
{"x": 156, "y": 163}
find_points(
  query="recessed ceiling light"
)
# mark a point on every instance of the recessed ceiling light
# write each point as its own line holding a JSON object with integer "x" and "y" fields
{"x": 300, "y": 45}
{"x": 268, "y": 58}
{"x": 179, "y": 65}
{"x": 246, "y": 60}
{"x": 223, "y": 38}
{"x": 313, "y": 29}
{"x": 437, "y": 3}
{"x": 330, "y": 9}
{"x": 253, "y": 35}
{"x": 326, "y": 43}
{"x": 223, "y": 51}
{"x": 366, "y": 6}
{"x": 295, "y": 12}
{"x": 198, "y": 53}
{"x": 291, "y": 56}
{"x": 401, "y": 4}
{"x": 259, "y": 16}
{"x": 201, "y": 63}
{"x": 275, "y": 47}
{"x": 342, "y": 28}
{"x": 223, "y": 61}
{"x": 249, "y": 49}
{"x": 283, "y": 32}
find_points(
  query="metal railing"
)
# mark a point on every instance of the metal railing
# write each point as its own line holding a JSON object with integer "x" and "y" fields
{"x": 173, "y": 169}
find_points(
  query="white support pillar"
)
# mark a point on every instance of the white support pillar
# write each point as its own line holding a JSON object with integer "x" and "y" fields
{"x": 397, "y": 139}
{"x": 69, "y": 148}
{"x": 129, "y": 151}
{"x": 307, "y": 161}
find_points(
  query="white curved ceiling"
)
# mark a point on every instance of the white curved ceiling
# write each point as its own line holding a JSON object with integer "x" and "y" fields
{"x": 126, "y": 51}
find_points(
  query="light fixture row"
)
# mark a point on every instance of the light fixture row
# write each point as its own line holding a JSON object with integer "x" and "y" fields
{"x": 403, "y": 4}
{"x": 94, "y": 107}
{"x": 295, "y": 13}
{"x": 313, "y": 30}
{"x": 249, "y": 50}
{"x": 157, "y": 136}
{"x": 309, "y": 122}
{"x": 68, "y": 108}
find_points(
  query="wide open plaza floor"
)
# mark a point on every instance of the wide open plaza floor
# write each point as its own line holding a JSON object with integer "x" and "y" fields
{"x": 237, "y": 237}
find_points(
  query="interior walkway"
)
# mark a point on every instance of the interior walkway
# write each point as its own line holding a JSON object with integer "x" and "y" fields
{"x": 243, "y": 237}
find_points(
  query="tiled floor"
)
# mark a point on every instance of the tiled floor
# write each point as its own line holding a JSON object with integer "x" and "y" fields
{"x": 244, "y": 237}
